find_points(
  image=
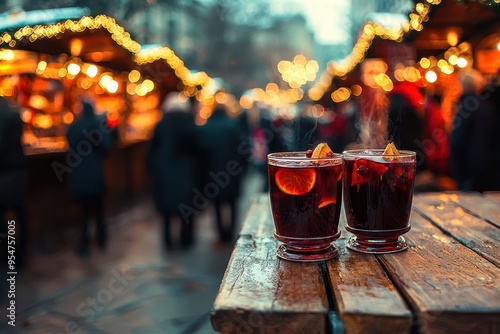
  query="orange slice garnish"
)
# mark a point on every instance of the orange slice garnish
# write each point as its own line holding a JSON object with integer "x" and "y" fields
{"x": 391, "y": 149}
{"x": 326, "y": 201}
{"x": 322, "y": 150}
{"x": 295, "y": 181}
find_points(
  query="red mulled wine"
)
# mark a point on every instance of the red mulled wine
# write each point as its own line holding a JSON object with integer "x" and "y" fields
{"x": 306, "y": 196}
{"x": 378, "y": 194}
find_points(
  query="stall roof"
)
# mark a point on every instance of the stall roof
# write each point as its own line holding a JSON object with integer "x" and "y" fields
{"x": 462, "y": 19}
{"x": 161, "y": 63}
{"x": 99, "y": 39}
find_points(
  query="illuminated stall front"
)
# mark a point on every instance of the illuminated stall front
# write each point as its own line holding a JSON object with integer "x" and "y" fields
{"x": 438, "y": 40}
{"x": 46, "y": 68}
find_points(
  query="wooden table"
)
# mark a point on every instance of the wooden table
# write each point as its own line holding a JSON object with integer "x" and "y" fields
{"x": 448, "y": 281}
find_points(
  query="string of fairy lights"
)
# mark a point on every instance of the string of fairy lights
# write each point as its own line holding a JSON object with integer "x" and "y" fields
{"x": 370, "y": 31}
{"x": 102, "y": 79}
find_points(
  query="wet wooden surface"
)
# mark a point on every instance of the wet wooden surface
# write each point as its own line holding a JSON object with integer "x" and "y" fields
{"x": 446, "y": 282}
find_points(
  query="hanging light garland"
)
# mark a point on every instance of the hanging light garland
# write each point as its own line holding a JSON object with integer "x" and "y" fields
{"x": 122, "y": 38}
{"x": 417, "y": 17}
{"x": 117, "y": 32}
{"x": 189, "y": 80}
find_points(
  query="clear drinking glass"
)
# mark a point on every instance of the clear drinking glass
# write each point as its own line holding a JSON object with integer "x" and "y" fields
{"x": 306, "y": 196}
{"x": 378, "y": 194}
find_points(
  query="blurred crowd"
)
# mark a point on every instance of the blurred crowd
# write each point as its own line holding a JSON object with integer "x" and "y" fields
{"x": 192, "y": 167}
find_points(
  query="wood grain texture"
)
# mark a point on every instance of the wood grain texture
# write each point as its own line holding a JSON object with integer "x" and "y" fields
{"x": 263, "y": 294}
{"x": 469, "y": 228}
{"x": 367, "y": 301}
{"x": 450, "y": 288}
{"x": 485, "y": 205}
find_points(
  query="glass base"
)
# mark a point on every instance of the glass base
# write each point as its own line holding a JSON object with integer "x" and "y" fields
{"x": 307, "y": 249}
{"x": 373, "y": 247}
{"x": 290, "y": 254}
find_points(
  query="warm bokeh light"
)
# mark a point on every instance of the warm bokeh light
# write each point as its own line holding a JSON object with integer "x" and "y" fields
{"x": 73, "y": 69}
{"x": 447, "y": 69}
{"x": 452, "y": 37}
{"x": 441, "y": 63}
{"x": 62, "y": 72}
{"x": 462, "y": 62}
{"x": 148, "y": 85}
{"x": 246, "y": 102}
{"x": 85, "y": 83}
{"x": 453, "y": 59}
{"x": 105, "y": 79}
{"x": 134, "y": 76}
{"x": 425, "y": 62}
{"x": 8, "y": 55}
{"x": 112, "y": 86}
{"x": 356, "y": 90}
{"x": 27, "y": 116}
{"x": 299, "y": 71}
{"x": 68, "y": 118}
{"x": 76, "y": 46}
{"x": 42, "y": 121}
{"x": 221, "y": 97}
{"x": 431, "y": 76}
{"x": 272, "y": 88}
{"x": 92, "y": 71}
{"x": 131, "y": 89}
{"x": 139, "y": 90}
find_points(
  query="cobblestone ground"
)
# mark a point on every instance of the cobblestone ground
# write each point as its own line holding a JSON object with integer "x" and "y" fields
{"x": 134, "y": 286}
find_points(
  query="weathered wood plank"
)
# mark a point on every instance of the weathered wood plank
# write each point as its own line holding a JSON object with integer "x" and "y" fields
{"x": 486, "y": 205}
{"x": 263, "y": 294}
{"x": 367, "y": 301}
{"x": 450, "y": 288}
{"x": 493, "y": 194}
{"x": 470, "y": 230}
{"x": 258, "y": 224}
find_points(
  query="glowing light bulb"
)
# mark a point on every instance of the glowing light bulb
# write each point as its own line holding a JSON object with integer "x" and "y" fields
{"x": 461, "y": 62}
{"x": 92, "y": 71}
{"x": 431, "y": 76}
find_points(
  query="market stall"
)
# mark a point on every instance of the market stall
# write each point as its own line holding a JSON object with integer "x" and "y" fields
{"x": 48, "y": 60}
{"x": 438, "y": 40}
{"x": 47, "y": 66}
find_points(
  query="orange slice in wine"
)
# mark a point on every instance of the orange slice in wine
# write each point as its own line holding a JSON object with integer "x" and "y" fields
{"x": 326, "y": 201}
{"x": 322, "y": 150}
{"x": 391, "y": 149}
{"x": 295, "y": 181}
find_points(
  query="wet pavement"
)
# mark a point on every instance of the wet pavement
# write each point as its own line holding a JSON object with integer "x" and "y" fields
{"x": 134, "y": 286}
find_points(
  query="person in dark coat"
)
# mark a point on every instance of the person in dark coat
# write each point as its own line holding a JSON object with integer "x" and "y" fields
{"x": 222, "y": 137}
{"x": 175, "y": 160}
{"x": 268, "y": 137}
{"x": 475, "y": 140}
{"x": 13, "y": 176}
{"x": 406, "y": 119}
{"x": 89, "y": 140}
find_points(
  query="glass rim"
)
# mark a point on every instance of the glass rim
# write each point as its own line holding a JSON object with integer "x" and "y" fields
{"x": 301, "y": 156}
{"x": 367, "y": 152}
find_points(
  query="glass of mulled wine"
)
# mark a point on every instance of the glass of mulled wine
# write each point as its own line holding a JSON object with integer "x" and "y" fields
{"x": 378, "y": 194}
{"x": 306, "y": 197}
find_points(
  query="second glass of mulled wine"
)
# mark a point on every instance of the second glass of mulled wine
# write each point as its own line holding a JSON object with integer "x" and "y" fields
{"x": 378, "y": 194}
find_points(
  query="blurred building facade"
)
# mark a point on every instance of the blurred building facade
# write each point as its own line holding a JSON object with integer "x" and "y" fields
{"x": 205, "y": 38}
